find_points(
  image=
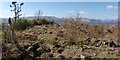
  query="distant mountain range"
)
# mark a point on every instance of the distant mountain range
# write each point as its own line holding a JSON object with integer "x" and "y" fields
{"x": 62, "y": 20}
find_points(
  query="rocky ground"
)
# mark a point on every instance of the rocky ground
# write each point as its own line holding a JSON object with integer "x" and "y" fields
{"x": 69, "y": 40}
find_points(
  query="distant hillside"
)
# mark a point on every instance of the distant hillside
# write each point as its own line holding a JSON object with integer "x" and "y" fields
{"x": 4, "y": 20}
{"x": 62, "y": 20}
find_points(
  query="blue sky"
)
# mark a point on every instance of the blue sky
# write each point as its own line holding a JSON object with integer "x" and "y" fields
{"x": 99, "y": 10}
{"x": 61, "y": 0}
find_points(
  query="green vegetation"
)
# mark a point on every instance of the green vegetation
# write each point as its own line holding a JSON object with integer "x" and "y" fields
{"x": 20, "y": 24}
{"x": 80, "y": 42}
{"x": 54, "y": 42}
{"x": 42, "y": 41}
{"x": 41, "y": 21}
{"x": 6, "y": 34}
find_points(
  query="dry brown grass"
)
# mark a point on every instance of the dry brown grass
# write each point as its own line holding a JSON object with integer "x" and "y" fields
{"x": 69, "y": 35}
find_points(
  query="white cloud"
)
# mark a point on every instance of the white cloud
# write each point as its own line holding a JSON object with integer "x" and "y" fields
{"x": 27, "y": 15}
{"x": 70, "y": 12}
{"x": 111, "y": 7}
{"x": 75, "y": 12}
{"x": 82, "y": 12}
{"x": 13, "y": 0}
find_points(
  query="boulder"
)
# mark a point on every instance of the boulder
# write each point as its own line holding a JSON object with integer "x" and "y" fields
{"x": 45, "y": 55}
{"x": 60, "y": 56}
{"x": 109, "y": 31}
{"x": 47, "y": 50}
{"x": 50, "y": 32}
{"x": 54, "y": 50}
{"x": 40, "y": 51}
{"x": 87, "y": 41}
{"x": 57, "y": 46}
{"x": 110, "y": 43}
{"x": 60, "y": 50}
{"x": 98, "y": 44}
{"x": 84, "y": 57}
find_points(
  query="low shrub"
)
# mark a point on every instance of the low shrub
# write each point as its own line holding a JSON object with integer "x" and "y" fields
{"x": 81, "y": 42}
{"x": 40, "y": 21}
{"x": 42, "y": 41}
{"x": 20, "y": 24}
{"x": 6, "y": 35}
{"x": 54, "y": 42}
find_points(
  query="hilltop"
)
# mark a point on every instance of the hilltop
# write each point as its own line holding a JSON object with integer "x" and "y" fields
{"x": 68, "y": 40}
